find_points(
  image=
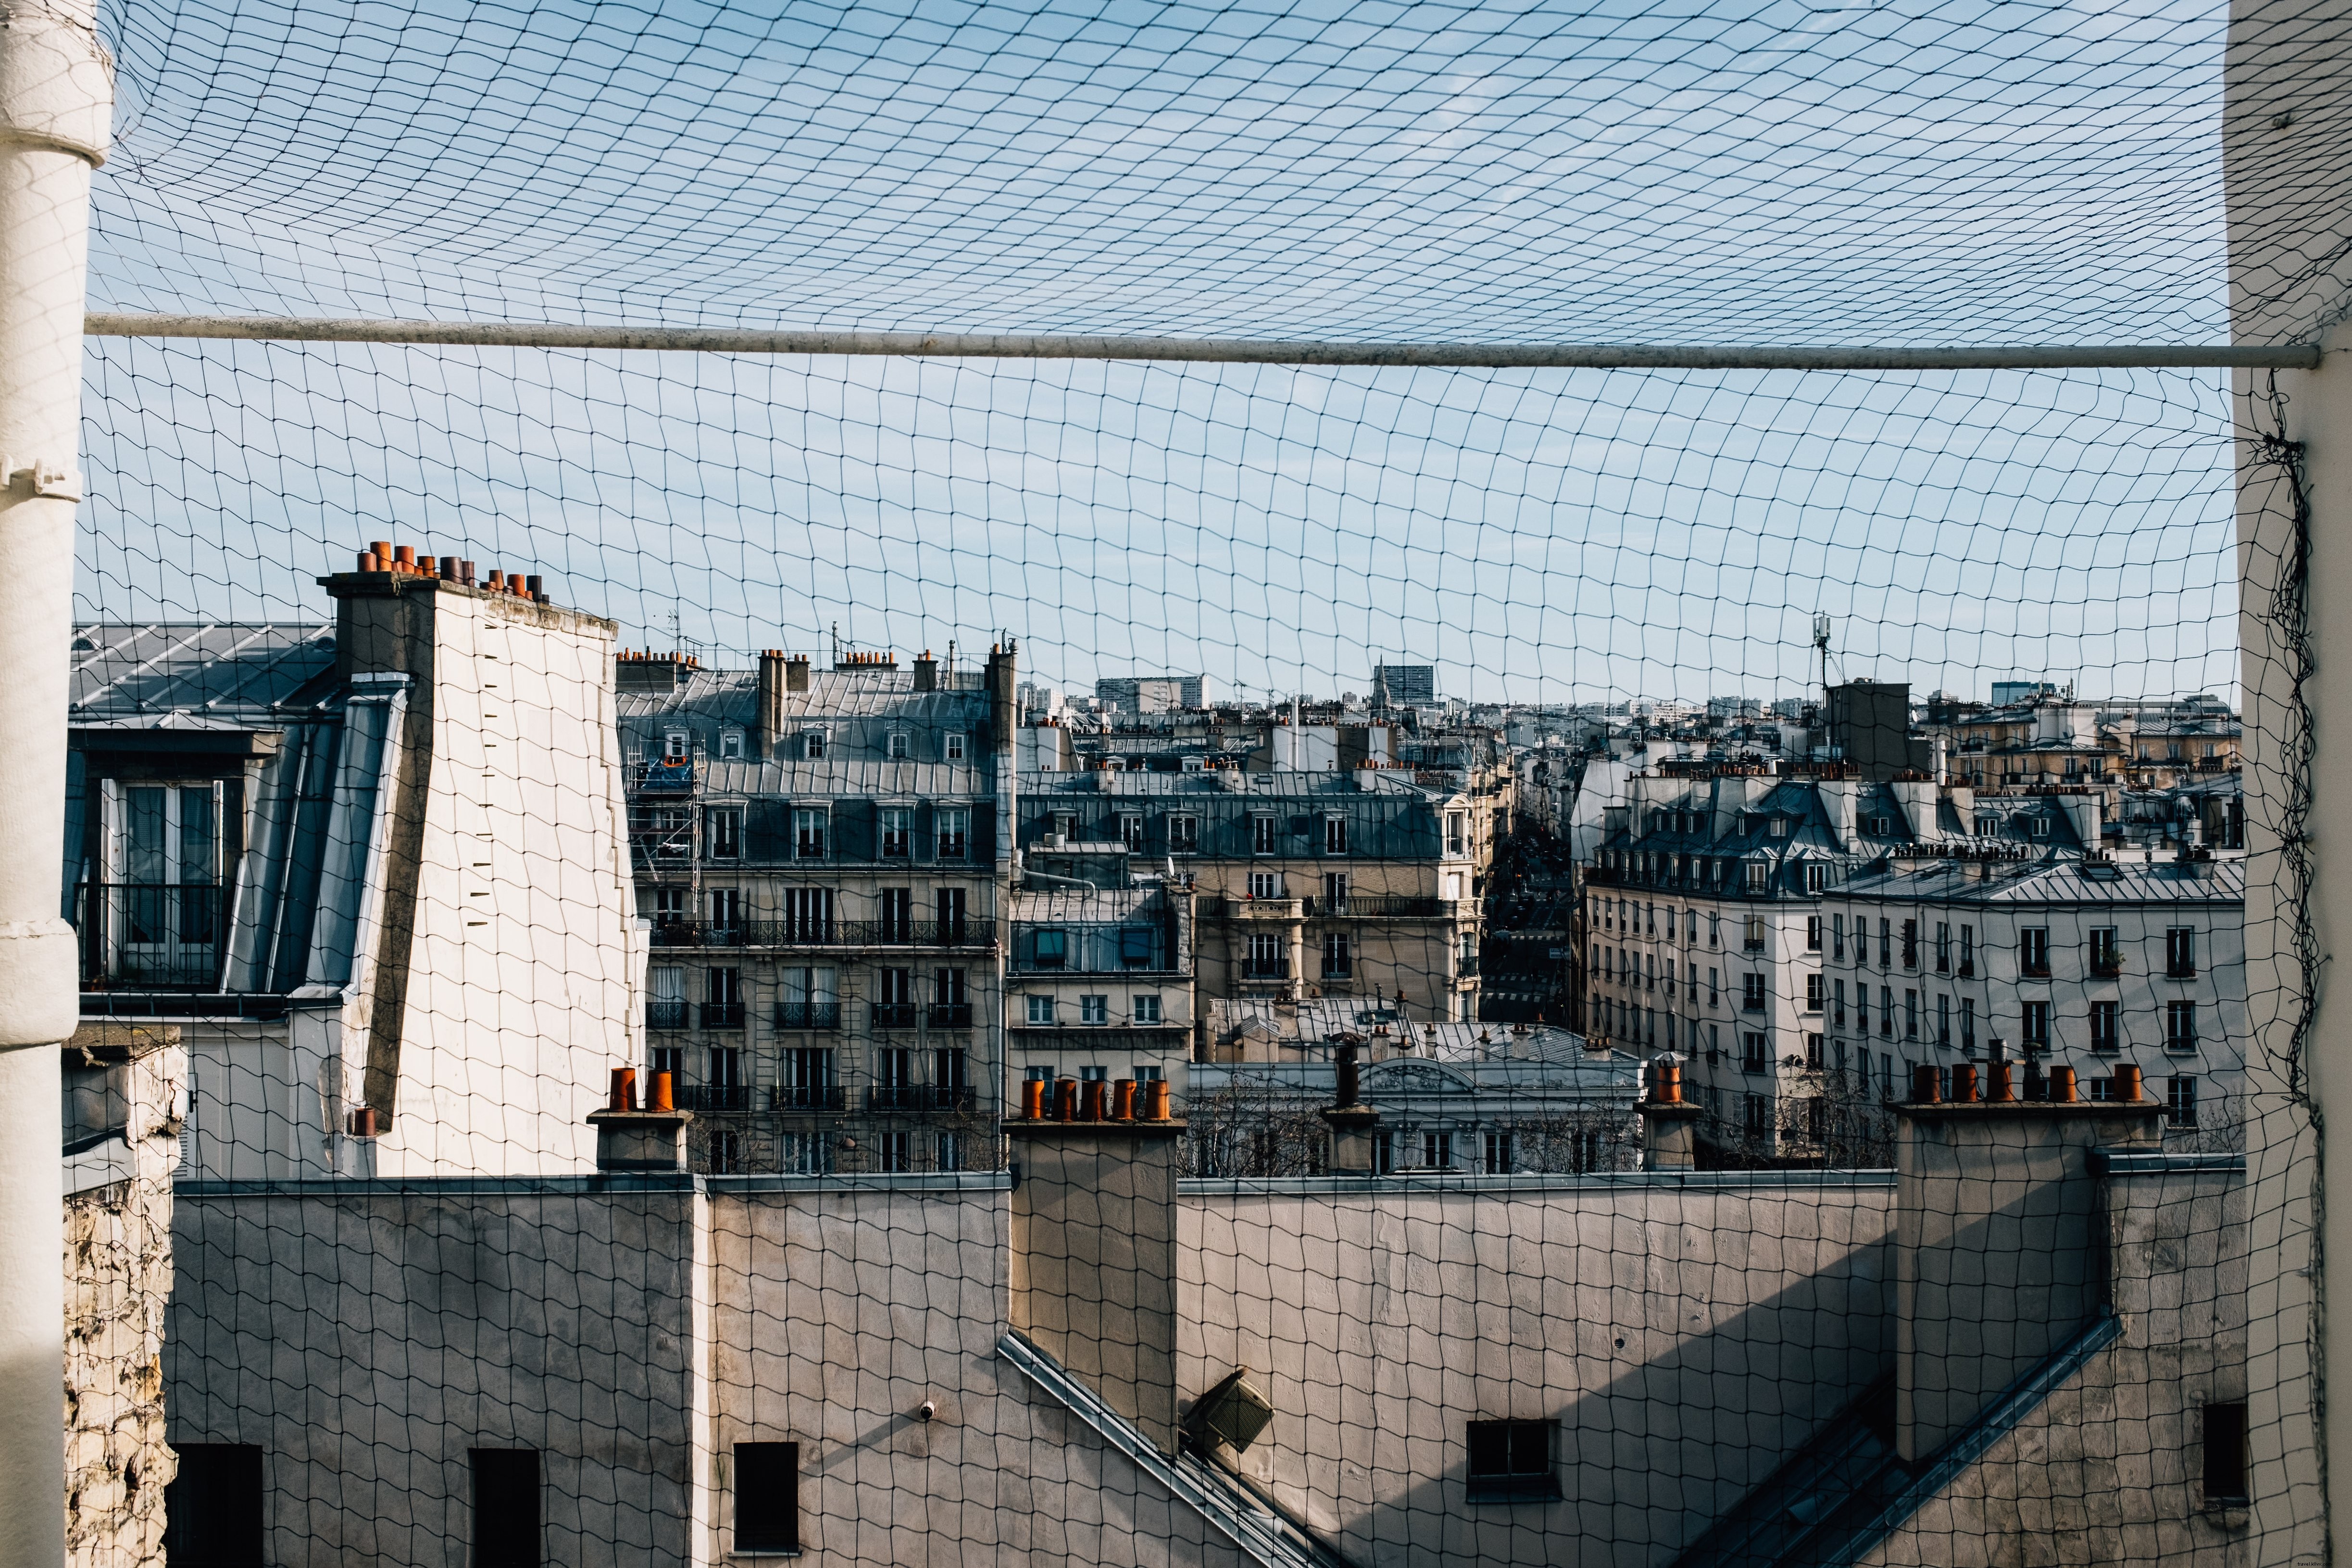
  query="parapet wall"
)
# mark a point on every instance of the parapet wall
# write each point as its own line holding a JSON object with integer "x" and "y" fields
{"x": 1682, "y": 1333}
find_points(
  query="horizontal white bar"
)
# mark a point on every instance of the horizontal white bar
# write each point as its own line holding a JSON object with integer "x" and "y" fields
{"x": 1206, "y": 351}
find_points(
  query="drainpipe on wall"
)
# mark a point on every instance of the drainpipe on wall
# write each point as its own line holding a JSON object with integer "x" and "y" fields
{"x": 56, "y": 97}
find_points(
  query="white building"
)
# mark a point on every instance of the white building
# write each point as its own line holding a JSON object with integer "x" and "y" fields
{"x": 378, "y": 873}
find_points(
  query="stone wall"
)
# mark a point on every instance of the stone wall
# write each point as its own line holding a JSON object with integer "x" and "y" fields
{"x": 117, "y": 1268}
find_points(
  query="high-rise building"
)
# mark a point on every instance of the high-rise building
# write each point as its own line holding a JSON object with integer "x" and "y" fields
{"x": 1153, "y": 693}
{"x": 1404, "y": 685}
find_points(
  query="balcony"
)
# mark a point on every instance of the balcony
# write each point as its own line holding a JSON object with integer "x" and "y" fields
{"x": 1260, "y": 908}
{"x": 715, "y": 1099}
{"x": 949, "y": 1016}
{"x": 1379, "y": 907}
{"x": 742, "y": 935}
{"x": 920, "y": 1099}
{"x": 808, "y": 1015}
{"x": 1266, "y": 969}
{"x": 805, "y": 1098}
{"x": 895, "y": 1015}
{"x": 162, "y": 937}
{"x": 1466, "y": 967}
{"x": 669, "y": 1014}
{"x": 722, "y": 1015}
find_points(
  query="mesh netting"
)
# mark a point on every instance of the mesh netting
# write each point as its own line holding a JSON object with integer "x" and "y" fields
{"x": 902, "y": 958}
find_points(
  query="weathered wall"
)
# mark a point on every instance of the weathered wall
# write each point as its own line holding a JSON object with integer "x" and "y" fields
{"x": 118, "y": 1270}
{"x": 2109, "y": 1468}
{"x": 1684, "y": 1332}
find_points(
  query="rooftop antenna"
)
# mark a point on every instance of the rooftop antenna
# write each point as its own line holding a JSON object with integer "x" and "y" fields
{"x": 1822, "y": 641}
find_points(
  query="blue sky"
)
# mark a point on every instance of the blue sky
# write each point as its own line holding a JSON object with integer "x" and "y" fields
{"x": 1899, "y": 174}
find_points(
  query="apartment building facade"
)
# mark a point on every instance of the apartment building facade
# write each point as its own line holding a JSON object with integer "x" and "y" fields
{"x": 819, "y": 856}
{"x": 2084, "y": 961}
{"x": 1712, "y": 915}
{"x": 1099, "y": 981}
{"x": 1360, "y": 883}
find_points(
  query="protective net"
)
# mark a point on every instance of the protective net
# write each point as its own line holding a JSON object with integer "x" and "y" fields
{"x": 691, "y": 956}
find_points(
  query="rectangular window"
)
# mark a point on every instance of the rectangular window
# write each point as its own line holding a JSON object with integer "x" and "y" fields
{"x": 1910, "y": 1015}
{"x": 2180, "y": 1101}
{"x": 950, "y": 903}
{"x": 1456, "y": 832}
{"x": 1759, "y": 876}
{"x": 675, "y": 743}
{"x": 1050, "y": 949}
{"x": 951, "y": 747}
{"x": 1968, "y": 950}
{"x": 1752, "y": 939}
{"x": 1147, "y": 1007}
{"x": 505, "y": 1508}
{"x": 898, "y": 832}
{"x": 1714, "y": 997}
{"x": 1943, "y": 947}
{"x": 1837, "y": 1006}
{"x": 1265, "y": 884}
{"x": 1335, "y": 835}
{"x": 2107, "y": 953}
{"x": 1886, "y": 1011}
{"x": 954, "y": 824}
{"x": 1751, "y": 992}
{"x": 1269, "y": 958}
{"x": 1943, "y": 1020}
{"x": 2225, "y": 1454}
{"x": 213, "y": 1510}
{"x": 1812, "y": 933}
{"x": 813, "y": 744}
{"x": 1910, "y": 944}
{"x": 724, "y": 825}
{"x": 2033, "y": 950}
{"x": 722, "y": 999}
{"x": 2034, "y": 1025}
{"x": 1130, "y": 830}
{"x": 2180, "y": 1026}
{"x": 897, "y": 749}
{"x": 1886, "y": 944}
{"x": 1495, "y": 1153}
{"x": 1968, "y": 1024}
{"x": 2104, "y": 1035}
{"x": 2180, "y": 952}
{"x": 1262, "y": 835}
{"x": 1752, "y": 1055}
{"x": 1339, "y": 960}
{"x": 807, "y": 914}
{"x": 811, "y": 830}
{"x": 1837, "y": 937}
{"x": 1041, "y": 1010}
{"x": 767, "y": 1496}
{"x": 1094, "y": 1009}
{"x": 1817, "y": 877}
{"x": 1183, "y": 834}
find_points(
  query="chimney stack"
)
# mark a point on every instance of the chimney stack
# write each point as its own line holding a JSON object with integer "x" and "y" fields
{"x": 1093, "y": 1271}
{"x": 769, "y": 722}
{"x": 1999, "y": 1246}
{"x": 640, "y": 1142}
{"x": 1355, "y": 1126}
{"x": 1669, "y": 1124}
{"x": 796, "y": 673}
{"x": 926, "y": 672}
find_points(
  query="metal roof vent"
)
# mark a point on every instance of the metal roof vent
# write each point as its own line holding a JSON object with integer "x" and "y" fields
{"x": 1232, "y": 1412}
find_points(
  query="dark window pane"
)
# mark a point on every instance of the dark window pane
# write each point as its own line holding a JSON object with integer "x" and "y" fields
{"x": 767, "y": 1496}
{"x": 1510, "y": 1461}
{"x": 505, "y": 1508}
{"x": 212, "y": 1510}
{"x": 2225, "y": 1453}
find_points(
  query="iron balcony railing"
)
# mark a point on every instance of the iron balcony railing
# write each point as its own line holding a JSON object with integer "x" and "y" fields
{"x": 805, "y": 1098}
{"x": 808, "y": 1015}
{"x": 895, "y": 1015}
{"x": 920, "y": 1099}
{"x": 722, "y": 1015}
{"x": 1466, "y": 967}
{"x": 1379, "y": 907}
{"x": 951, "y": 1016}
{"x": 816, "y": 932}
{"x": 669, "y": 1014}
{"x": 722, "y": 1097}
{"x": 159, "y": 936}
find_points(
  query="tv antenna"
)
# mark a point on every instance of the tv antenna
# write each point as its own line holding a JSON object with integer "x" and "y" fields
{"x": 1822, "y": 641}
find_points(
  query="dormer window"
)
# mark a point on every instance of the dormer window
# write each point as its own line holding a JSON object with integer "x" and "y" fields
{"x": 730, "y": 746}
{"x": 897, "y": 746}
{"x": 951, "y": 747}
{"x": 813, "y": 744}
{"x": 676, "y": 743}
{"x": 1779, "y": 827}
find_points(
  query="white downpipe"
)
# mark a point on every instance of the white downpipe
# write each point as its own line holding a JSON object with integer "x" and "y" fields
{"x": 57, "y": 97}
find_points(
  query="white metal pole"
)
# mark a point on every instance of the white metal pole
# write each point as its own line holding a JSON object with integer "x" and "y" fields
{"x": 56, "y": 97}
